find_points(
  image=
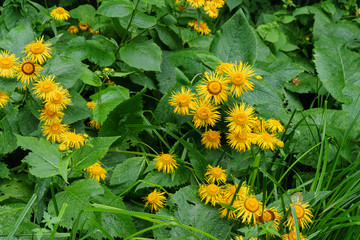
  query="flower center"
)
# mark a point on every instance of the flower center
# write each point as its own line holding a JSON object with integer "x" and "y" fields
{"x": 6, "y": 63}
{"x": 72, "y": 137}
{"x": 50, "y": 114}
{"x": 60, "y": 10}
{"x": 241, "y": 119}
{"x": 268, "y": 215}
{"x": 166, "y": 158}
{"x": 153, "y": 198}
{"x": 292, "y": 235}
{"x": 251, "y": 204}
{"x": 183, "y": 100}
{"x": 46, "y": 87}
{"x": 238, "y": 79}
{"x": 37, "y": 48}
{"x": 266, "y": 137}
{"x": 97, "y": 170}
{"x": 216, "y": 172}
{"x": 241, "y": 136}
{"x": 203, "y": 113}
{"x": 214, "y": 87}
{"x": 57, "y": 99}
{"x": 28, "y": 68}
{"x": 212, "y": 189}
{"x": 55, "y": 128}
{"x": 212, "y": 136}
{"x": 300, "y": 212}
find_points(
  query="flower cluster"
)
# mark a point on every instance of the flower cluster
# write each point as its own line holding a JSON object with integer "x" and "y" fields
{"x": 210, "y": 7}
{"x": 245, "y": 128}
{"x": 83, "y": 27}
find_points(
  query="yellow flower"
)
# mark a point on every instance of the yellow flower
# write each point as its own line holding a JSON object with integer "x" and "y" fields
{"x": 241, "y": 118}
{"x": 196, "y": 3}
{"x": 45, "y": 87}
{"x": 292, "y": 236}
{"x": 210, "y": 193}
{"x": 62, "y": 147}
{"x": 211, "y": 139}
{"x": 166, "y": 163}
{"x": 4, "y": 98}
{"x": 241, "y": 238}
{"x": 83, "y": 26}
{"x": 91, "y": 105}
{"x": 58, "y": 100}
{"x": 249, "y": 208}
{"x": 93, "y": 32}
{"x": 223, "y": 67}
{"x": 270, "y": 214}
{"x": 266, "y": 140}
{"x": 211, "y": 9}
{"x": 230, "y": 190}
{"x": 193, "y": 23}
{"x": 202, "y": 28}
{"x": 28, "y": 72}
{"x": 213, "y": 87}
{"x": 37, "y": 51}
{"x": 71, "y": 139}
{"x": 238, "y": 75}
{"x": 274, "y": 126}
{"x": 258, "y": 77}
{"x": 60, "y": 14}
{"x": 204, "y": 114}
{"x": 240, "y": 141}
{"x": 155, "y": 199}
{"x": 303, "y": 215}
{"x": 225, "y": 211}
{"x": 95, "y": 125}
{"x": 215, "y": 174}
{"x": 54, "y": 131}
{"x": 8, "y": 64}
{"x": 48, "y": 116}
{"x": 73, "y": 29}
{"x": 96, "y": 172}
{"x": 218, "y": 3}
{"x": 182, "y": 101}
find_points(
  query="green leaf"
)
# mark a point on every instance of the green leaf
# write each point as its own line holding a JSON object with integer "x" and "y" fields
{"x": 159, "y": 3}
{"x": 115, "y": 8}
{"x": 169, "y": 37}
{"x": 167, "y": 76}
{"x": 84, "y": 13}
{"x": 92, "y": 152}
{"x": 235, "y": 41}
{"x": 142, "y": 55}
{"x": 9, "y": 126}
{"x": 16, "y": 39}
{"x": 90, "y": 78}
{"x": 77, "y": 196}
{"x": 233, "y": 3}
{"x": 143, "y": 20}
{"x": 16, "y": 188}
{"x": 77, "y": 110}
{"x": 4, "y": 171}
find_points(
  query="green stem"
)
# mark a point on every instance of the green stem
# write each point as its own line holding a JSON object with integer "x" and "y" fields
{"x": 62, "y": 211}
{"x": 54, "y": 199}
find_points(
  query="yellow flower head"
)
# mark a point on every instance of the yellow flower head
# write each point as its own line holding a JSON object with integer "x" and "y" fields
{"x": 274, "y": 126}
{"x": 211, "y": 139}
{"x": 210, "y": 193}
{"x": 8, "y": 64}
{"x": 303, "y": 215}
{"x": 93, "y": 32}
{"x": 59, "y": 100}
{"x": 4, "y": 98}
{"x": 270, "y": 214}
{"x": 202, "y": 28}
{"x": 196, "y": 3}
{"x": 215, "y": 174}
{"x": 60, "y": 14}
{"x": 249, "y": 208}
{"x": 83, "y": 26}
{"x": 218, "y": 3}
{"x": 230, "y": 190}
{"x": 241, "y": 118}
{"x": 266, "y": 140}
{"x": 205, "y": 114}
{"x": 45, "y": 87}
{"x": 37, "y": 51}
{"x": 166, "y": 163}
{"x": 225, "y": 211}
{"x": 193, "y": 23}
{"x": 95, "y": 125}
{"x": 28, "y": 72}
{"x": 182, "y": 101}
{"x": 96, "y": 172}
{"x": 48, "y": 116}
{"x": 240, "y": 141}
{"x": 73, "y": 29}
{"x": 223, "y": 67}
{"x": 211, "y": 9}
{"x": 238, "y": 75}
{"x": 62, "y": 147}
{"x": 72, "y": 140}
{"x": 155, "y": 199}
{"x": 213, "y": 87}
{"x": 292, "y": 236}
{"x": 54, "y": 131}
{"x": 91, "y": 105}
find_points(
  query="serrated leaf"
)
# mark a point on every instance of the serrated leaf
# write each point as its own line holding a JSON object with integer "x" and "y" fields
{"x": 16, "y": 39}
{"x": 15, "y": 188}
{"x": 4, "y": 171}
{"x": 77, "y": 110}
{"x": 9, "y": 127}
{"x": 118, "y": 8}
{"x": 90, "y": 78}
{"x": 8, "y": 216}
{"x": 169, "y": 37}
{"x": 235, "y": 41}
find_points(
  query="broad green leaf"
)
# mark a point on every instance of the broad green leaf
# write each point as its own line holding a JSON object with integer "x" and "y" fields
{"x": 16, "y": 40}
{"x": 143, "y": 20}
{"x": 235, "y": 41}
{"x": 16, "y": 188}
{"x": 84, "y": 13}
{"x": 9, "y": 213}
{"x": 4, "y": 171}
{"x": 167, "y": 76}
{"x": 77, "y": 196}
{"x": 92, "y": 153}
{"x": 77, "y": 110}
{"x": 9, "y": 126}
{"x": 31, "y": 124}
{"x": 142, "y": 55}
{"x": 169, "y": 37}
{"x": 90, "y": 78}
{"x": 233, "y": 3}
{"x": 115, "y": 8}
{"x": 159, "y": 3}
{"x": 9, "y": 84}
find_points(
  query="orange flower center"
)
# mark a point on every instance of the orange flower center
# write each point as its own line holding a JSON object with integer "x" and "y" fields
{"x": 203, "y": 113}
{"x": 57, "y": 99}
{"x": 292, "y": 235}
{"x": 183, "y": 100}
{"x": 266, "y": 137}
{"x": 268, "y": 215}
{"x": 300, "y": 211}
{"x": 216, "y": 172}
{"x": 238, "y": 79}
{"x": 214, "y": 87}
{"x": 97, "y": 170}
{"x": 55, "y": 128}
{"x": 212, "y": 189}
{"x": 212, "y": 136}
{"x": 242, "y": 136}
{"x": 28, "y": 68}
{"x": 46, "y": 87}
{"x": 6, "y": 63}
{"x": 37, "y": 48}
{"x": 251, "y": 204}
{"x": 50, "y": 114}
{"x": 166, "y": 158}
{"x": 153, "y": 197}
{"x": 241, "y": 119}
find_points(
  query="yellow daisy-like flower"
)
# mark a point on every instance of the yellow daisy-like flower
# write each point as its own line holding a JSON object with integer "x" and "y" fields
{"x": 60, "y": 14}
{"x": 73, "y": 29}
{"x": 48, "y": 116}
{"x": 182, "y": 101}
{"x": 270, "y": 214}
{"x": 241, "y": 118}
{"x": 303, "y": 215}
{"x": 238, "y": 75}
{"x": 166, "y": 163}
{"x": 196, "y": 3}
{"x": 215, "y": 174}
{"x": 225, "y": 211}
{"x": 96, "y": 172}
{"x": 240, "y": 141}
{"x": 62, "y": 147}
{"x": 91, "y": 105}
{"x": 72, "y": 140}
{"x": 249, "y": 208}
{"x": 230, "y": 190}
{"x": 83, "y": 26}
{"x": 266, "y": 140}
{"x": 211, "y": 9}
{"x": 210, "y": 193}
{"x": 8, "y": 64}
{"x": 211, "y": 139}
{"x": 274, "y": 126}
{"x": 202, "y": 28}
{"x": 37, "y": 51}
{"x": 213, "y": 87}
{"x": 28, "y": 72}
{"x": 4, "y": 98}
{"x": 193, "y": 23}
{"x": 204, "y": 114}
{"x": 45, "y": 87}
{"x": 58, "y": 100}
{"x": 292, "y": 236}
{"x": 218, "y": 3}
{"x": 223, "y": 67}
{"x": 93, "y": 32}
{"x": 155, "y": 199}
{"x": 95, "y": 125}
{"x": 54, "y": 131}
